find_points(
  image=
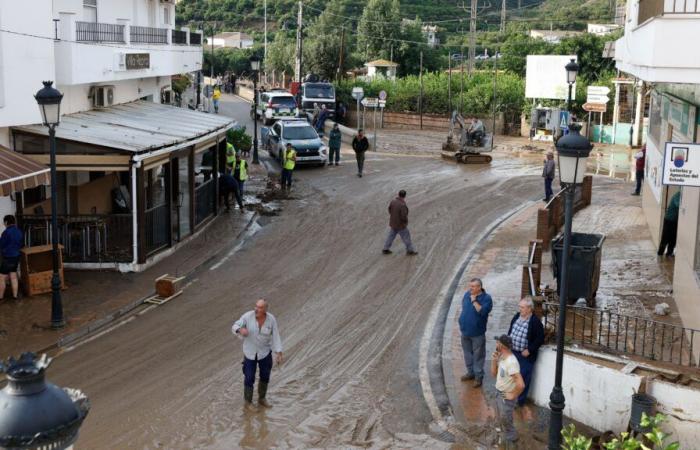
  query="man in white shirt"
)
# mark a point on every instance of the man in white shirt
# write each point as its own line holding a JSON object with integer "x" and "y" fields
{"x": 261, "y": 337}
{"x": 509, "y": 382}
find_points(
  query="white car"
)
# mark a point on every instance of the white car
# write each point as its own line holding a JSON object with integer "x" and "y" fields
{"x": 274, "y": 105}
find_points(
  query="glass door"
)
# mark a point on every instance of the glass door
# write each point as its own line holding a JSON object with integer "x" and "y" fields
{"x": 181, "y": 197}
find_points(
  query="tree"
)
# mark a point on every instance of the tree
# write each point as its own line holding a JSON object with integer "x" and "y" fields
{"x": 281, "y": 52}
{"x": 379, "y": 27}
{"x": 324, "y": 41}
{"x": 516, "y": 48}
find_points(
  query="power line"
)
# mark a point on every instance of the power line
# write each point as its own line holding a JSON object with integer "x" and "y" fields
{"x": 357, "y": 19}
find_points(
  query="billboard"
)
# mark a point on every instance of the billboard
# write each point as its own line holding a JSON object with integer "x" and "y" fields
{"x": 546, "y": 77}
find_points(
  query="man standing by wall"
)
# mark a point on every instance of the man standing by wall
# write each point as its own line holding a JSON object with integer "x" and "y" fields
{"x": 476, "y": 306}
{"x": 11, "y": 241}
{"x": 527, "y": 333}
{"x": 398, "y": 224}
{"x": 509, "y": 383}
{"x": 360, "y": 144}
{"x": 261, "y": 337}
{"x": 670, "y": 228}
{"x": 548, "y": 175}
{"x": 639, "y": 163}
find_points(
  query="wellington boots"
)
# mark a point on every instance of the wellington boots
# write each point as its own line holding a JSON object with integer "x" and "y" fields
{"x": 248, "y": 396}
{"x": 262, "y": 392}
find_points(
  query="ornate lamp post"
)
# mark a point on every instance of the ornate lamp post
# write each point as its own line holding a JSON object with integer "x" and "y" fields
{"x": 35, "y": 414}
{"x": 571, "y": 72}
{"x": 49, "y": 100}
{"x": 573, "y": 150}
{"x": 255, "y": 67}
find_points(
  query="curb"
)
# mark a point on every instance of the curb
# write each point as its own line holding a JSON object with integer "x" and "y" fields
{"x": 431, "y": 367}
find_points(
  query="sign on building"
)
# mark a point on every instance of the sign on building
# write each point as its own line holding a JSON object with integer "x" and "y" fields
{"x": 682, "y": 164}
{"x": 136, "y": 61}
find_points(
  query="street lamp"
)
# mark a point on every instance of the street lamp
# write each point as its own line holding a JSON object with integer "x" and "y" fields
{"x": 255, "y": 66}
{"x": 35, "y": 414}
{"x": 573, "y": 150}
{"x": 571, "y": 72}
{"x": 49, "y": 100}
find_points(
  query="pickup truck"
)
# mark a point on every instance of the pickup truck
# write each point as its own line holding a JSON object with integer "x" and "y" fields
{"x": 298, "y": 132}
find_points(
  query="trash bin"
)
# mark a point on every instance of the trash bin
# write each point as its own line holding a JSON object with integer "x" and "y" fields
{"x": 583, "y": 268}
{"x": 641, "y": 403}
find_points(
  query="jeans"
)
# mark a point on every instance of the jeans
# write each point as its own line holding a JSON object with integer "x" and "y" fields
{"x": 639, "y": 176}
{"x": 250, "y": 366}
{"x": 474, "y": 348}
{"x": 333, "y": 152}
{"x": 240, "y": 186}
{"x": 668, "y": 237}
{"x": 505, "y": 416}
{"x": 226, "y": 193}
{"x": 216, "y": 106}
{"x": 286, "y": 178}
{"x": 360, "y": 157}
{"x": 548, "y": 188}
{"x": 405, "y": 237}
{"x": 526, "y": 369}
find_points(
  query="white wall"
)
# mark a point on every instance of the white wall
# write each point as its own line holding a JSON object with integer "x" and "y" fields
{"x": 75, "y": 97}
{"x": 111, "y": 11}
{"x": 24, "y": 61}
{"x": 601, "y": 397}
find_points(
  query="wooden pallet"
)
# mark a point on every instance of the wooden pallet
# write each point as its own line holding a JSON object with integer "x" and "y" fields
{"x": 167, "y": 288}
{"x": 158, "y": 300}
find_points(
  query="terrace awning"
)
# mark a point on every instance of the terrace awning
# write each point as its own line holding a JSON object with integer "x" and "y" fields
{"x": 18, "y": 172}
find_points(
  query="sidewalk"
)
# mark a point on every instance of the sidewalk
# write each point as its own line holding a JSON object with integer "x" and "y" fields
{"x": 95, "y": 298}
{"x": 632, "y": 281}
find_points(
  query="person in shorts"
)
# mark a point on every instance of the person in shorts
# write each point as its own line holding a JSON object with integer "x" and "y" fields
{"x": 11, "y": 241}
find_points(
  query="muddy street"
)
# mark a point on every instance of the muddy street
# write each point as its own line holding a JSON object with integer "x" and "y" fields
{"x": 351, "y": 318}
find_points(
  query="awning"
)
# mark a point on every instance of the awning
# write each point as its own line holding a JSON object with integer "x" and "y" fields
{"x": 18, "y": 172}
{"x": 137, "y": 127}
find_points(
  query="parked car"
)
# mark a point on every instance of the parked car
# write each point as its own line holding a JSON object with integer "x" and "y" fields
{"x": 298, "y": 132}
{"x": 274, "y": 105}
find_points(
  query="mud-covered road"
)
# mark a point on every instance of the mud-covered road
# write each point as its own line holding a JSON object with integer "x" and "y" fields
{"x": 351, "y": 318}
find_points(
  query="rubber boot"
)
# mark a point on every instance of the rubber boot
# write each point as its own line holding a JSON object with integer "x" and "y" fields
{"x": 248, "y": 396}
{"x": 262, "y": 392}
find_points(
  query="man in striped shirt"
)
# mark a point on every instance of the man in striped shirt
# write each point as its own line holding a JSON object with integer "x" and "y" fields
{"x": 527, "y": 334}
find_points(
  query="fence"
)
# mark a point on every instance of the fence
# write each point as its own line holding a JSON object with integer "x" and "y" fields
{"x": 85, "y": 238}
{"x": 98, "y": 32}
{"x": 619, "y": 333}
{"x": 551, "y": 218}
{"x": 204, "y": 201}
{"x": 157, "y": 228}
{"x": 149, "y": 35}
{"x": 179, "y": 37}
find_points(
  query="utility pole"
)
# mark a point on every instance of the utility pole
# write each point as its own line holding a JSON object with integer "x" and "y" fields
{"x": 449, "y": 81}
{"x": 461, "y": 80}
{"x": 420, "y": 99}
{"x": 342, "y": 51}
{"x": 503, "y": 16}
{"x": 265, "y": 48}
{"x": 472, "y": 36}
{"x": 297, "y": 65}
{"x": 211, "y": 79}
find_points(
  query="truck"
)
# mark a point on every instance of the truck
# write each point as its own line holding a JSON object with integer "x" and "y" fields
{"x": 314, "y": 90}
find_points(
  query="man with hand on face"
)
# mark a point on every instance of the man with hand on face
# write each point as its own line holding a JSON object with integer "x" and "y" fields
{"x": 261, "y": 337}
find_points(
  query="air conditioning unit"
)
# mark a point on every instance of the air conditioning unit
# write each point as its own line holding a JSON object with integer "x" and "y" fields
{"x": 103, "y": 96}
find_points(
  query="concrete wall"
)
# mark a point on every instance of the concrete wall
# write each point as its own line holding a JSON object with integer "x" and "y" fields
{"x": 601, "y": 397}
{"x": 75, "y": 98}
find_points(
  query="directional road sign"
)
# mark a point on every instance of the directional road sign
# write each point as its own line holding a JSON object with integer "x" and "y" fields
{"x": 597, "y": 99}
{"x": 370, "y": 102}
{"x": 382, "y": 103}
{"x": 358, "y": 93}
{"x": 598, "y": 90}
{"x": 382, "y": 95}
{"x": 595, "y": 107}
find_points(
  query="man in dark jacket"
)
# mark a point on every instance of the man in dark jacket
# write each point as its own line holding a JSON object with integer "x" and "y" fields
{"x": 548, "y": 175}
{"x": 476, "y": 306}
{"x": 360, "y": 144}
{"x": 227, "y": 186}
{"x": 398, "y": 224}
{"x": 670, "y": 228}
{"x": 11, "y": 241}
{"x": 527, "y": 333}
{"x": 639, "y": 163}
{"x": 334, "y": 140}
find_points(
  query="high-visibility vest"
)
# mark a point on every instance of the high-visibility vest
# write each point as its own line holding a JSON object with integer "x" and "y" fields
{"x": 288, "y": 161}
{"x": 230, "y": 155}
{"x": 243, "y": 170}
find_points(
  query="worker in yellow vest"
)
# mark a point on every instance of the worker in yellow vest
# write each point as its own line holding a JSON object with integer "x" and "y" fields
{"x": 288, "y": 163}
{"x": 230, "y": 157}
{"x": 240, "y": 172}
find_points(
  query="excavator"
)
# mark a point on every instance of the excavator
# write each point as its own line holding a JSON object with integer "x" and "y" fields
{"x": 462, "y": 151}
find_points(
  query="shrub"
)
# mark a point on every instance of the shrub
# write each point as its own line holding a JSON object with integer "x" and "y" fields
{"x": 240, "y": 139}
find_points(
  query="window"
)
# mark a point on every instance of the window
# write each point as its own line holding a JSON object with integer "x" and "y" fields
{"x": 166, "y": 15}
{"x": 90, "y": 10}
{"x": 300, "y": 133}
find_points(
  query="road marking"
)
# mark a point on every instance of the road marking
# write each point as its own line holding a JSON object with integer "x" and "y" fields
{"x": 254, "y": 228}
{"x": 95, "y": 336}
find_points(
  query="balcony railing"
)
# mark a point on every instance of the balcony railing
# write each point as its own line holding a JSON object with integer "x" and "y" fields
{"x": 195, "y": 39}
{"x": 148, "y": 35}
{"x": 179, "y": 37}
{"x": 85, "y": 238}
{"x": 98, "y": 32}
{"x": 628, "y": 335}
{"x": 654, "y": 8}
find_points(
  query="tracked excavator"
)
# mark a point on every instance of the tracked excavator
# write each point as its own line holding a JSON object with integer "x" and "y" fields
{"x": 463, "y": 151}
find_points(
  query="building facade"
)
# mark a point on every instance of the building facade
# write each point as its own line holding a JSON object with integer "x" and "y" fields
{"x": 656, "y": 50}
{"x": 136, "y": 176}
{"x": 232, "y": 39}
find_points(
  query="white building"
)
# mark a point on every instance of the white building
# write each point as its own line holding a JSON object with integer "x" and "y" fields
{"x": 381, "y": 68}
{"x": 233, "y": 39}
{"x": 553, "y": 36}
{"x": 657, "y": 48}
{"x": 431, "y": 34}
{"x": 136, "y": 176}
{"x": 602, "y": 29}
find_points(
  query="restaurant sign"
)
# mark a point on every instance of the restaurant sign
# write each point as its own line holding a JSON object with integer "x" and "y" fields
{"x": 136, "y": 61}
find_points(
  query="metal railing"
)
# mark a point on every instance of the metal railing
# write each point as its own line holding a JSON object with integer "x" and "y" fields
{"x": 654, "y": 8}
{"x": 157, "y": 230}
{"x": 149, "y": 35}
{"x": 630, "y": 335}
{"x": 195, "y": 39}
{"x": 204, "y": 201}
{"x": 85, "y": 238}
{"x": 179, "y": 37}
{"x": 98, "y": 32}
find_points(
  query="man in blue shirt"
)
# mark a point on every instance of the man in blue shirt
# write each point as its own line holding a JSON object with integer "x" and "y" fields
{"x": 476, "y": 306}
{"x": 11, "y": 241}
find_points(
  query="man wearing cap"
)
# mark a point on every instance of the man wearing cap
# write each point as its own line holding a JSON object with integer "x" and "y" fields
{"x": 548, "y": 175}
{"x": 509, "y": 383}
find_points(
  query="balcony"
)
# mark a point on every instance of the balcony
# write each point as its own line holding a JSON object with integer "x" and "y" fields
{"x": 122, "y": 51}
{"x": 653, "y": 8}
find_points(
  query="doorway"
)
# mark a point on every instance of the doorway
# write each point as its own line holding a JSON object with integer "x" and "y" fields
{"x": 181, "y": 197}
